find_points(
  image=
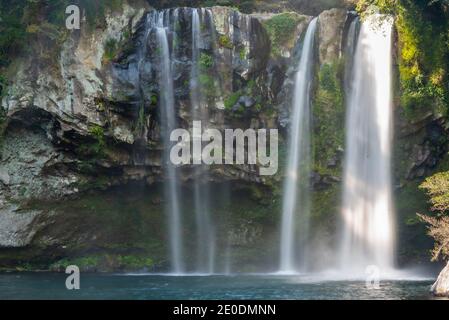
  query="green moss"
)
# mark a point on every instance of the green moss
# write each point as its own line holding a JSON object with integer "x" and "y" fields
{"x": 231, "y": 100}
{"x": 12, "y": 31}
{"x": 281, "y": 30}
{"x": 243, "y": 54}
{"x": 21, "y": 20}
{"x": 94, "y": 150}
{"x": 98, "y": 133}
{"x": 410, "y": 200}
{"x": 423, "y": 63}
{"x": 225, "y": 42}
{"x": 135, "y": 262}
{"x": 206, "y": 77}
{"x": 140, "y": 121}
{"x": 110, "y": 50}
{"x": 207, "y": 85}
{"x": 326, "y": 204}
{"x": 206, "y": 61}
{"x": 154, "y": 99}
{"x": 329, "y": 114}
{"x": 105, "y": 262}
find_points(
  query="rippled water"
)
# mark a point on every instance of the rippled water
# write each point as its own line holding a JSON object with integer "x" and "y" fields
{"x": 108, "y": 286}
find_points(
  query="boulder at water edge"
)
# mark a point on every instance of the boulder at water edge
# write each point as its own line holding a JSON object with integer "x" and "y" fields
{"x": 441, "y": 287}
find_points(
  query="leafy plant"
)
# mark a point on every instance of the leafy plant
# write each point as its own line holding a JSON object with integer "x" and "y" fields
{"x": 225, "y": 42}
{"x": 206, "y": 61}
{"x": 423, "y": 52}
{"x": 110, "y": 50}
{"x": 141, "y": 120}
{"x": 281, "y": 30}
{"x": 437, "y": 188}
{"x": 230, "y": 101}
{"x": 207, "y": 85}
{"x": 96, "y": 149}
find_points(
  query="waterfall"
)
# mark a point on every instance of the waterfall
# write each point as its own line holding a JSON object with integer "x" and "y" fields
{"x": 168, "y": 122}
{"x": 296, "y": 207}
{"x": 367, "y": 210}
{"x": 349, "y": 51}
{"x": 204, "y": 227}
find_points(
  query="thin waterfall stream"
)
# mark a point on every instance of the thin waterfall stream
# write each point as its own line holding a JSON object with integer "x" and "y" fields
{"x": 205, "y": 259}
{"x": 296, "y": 199}
{"x": 168, "y": 121}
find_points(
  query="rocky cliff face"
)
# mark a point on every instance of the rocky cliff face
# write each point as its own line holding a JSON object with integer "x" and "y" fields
{"x": 94, "y": 108}
{"x": 83, "y": 114}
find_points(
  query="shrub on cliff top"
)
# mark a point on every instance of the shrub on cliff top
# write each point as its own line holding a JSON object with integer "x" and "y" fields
{"x": 281, "y": 29}
{"x": 423, "y": 52}
{"x": 437, "y": 188}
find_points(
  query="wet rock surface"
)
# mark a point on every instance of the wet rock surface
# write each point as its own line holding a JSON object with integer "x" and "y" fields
{"x": 441, "y": 287}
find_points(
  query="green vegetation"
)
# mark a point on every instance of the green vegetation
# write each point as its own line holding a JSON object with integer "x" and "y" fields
{"x": 105, "y": 262}
{"x": 154, "y": 99}
{"x": 225, "y": 42}
{"x": 437, "y": 188}
{"x": 243, "y": 54}
{"x": 423, "y": 52}
{"x": 2, "y": 125}
{"x": 423, "y": 63}
{"x": 141, "y": 121}
{"x": 281, "y": 30}
{"x": 23, "y": 23}
{"x": 207, "y": 86}
{"x": 98, "y": 133}
{"x": 329, "y": 112}
{"x": 206, "y": 61}
{"x": 92, "y": 150}
{"x": 326, "y": 204}
{"x": 206, "y": 77}
{"x": 110, "y": 50}
{"x": 232, "y": 99}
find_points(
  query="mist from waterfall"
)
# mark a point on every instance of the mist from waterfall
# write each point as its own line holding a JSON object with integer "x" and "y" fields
{"x": 168, "y": 123}
{"x": 296, "y": 200}
{"x": 205, "y": 242}
{"x": 367, "y": 210}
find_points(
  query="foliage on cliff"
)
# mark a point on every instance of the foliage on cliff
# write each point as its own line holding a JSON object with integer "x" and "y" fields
{"x": 281, "y": 29}
{"x": 329, "y": 113}
{"x": 437, "y": 188}
{"x": 309, "y": 7}
{"x": 22, "y": 20}
{"x": 423, "y": 37}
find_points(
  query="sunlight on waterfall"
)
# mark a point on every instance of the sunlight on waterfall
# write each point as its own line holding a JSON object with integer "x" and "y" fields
{"x": 368, "y": 214}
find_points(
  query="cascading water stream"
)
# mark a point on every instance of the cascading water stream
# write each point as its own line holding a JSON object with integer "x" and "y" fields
{"x": 168, "y": 122}
{"x": 205, "y": 231}
{"x": 351, "y": 45}
{"x": 367, "y": 211}
{"x": 296, "y": 200}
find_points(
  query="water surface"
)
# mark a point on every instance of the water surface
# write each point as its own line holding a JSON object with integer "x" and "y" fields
{"x": 150, "y": 287}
